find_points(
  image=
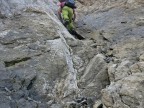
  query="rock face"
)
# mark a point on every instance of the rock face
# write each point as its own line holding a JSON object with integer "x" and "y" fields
{"x": 117, "y": 28}
{"x": 36, "y": 64}
{"x": 43, "y": 66}
{"x": 125, "y": 93}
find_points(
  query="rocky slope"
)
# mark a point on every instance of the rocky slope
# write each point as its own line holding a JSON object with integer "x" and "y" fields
{"x": 43, "y": 66}
{"x": 118, "y": 29}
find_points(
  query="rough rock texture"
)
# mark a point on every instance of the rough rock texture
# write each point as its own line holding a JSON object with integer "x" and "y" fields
{"x": 118, "y": 30}
{"x": 36, "y": 64}
{"x": 43, "y": 66}
{"x": 126, "y": 93}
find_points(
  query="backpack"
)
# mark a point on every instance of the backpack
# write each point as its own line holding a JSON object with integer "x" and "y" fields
{"x": 70, "y": 3}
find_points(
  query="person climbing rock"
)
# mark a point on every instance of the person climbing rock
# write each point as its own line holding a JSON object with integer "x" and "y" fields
{"x": 67, "y": 13}
{"x": 61, "y": 5}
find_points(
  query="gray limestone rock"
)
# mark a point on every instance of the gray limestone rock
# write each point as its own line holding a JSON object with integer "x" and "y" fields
{"x": 95, "y": 77}
{"x": 43, "y": 66}
{"x": 126, "y": 93}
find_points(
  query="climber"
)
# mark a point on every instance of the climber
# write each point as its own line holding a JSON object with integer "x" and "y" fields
{"x": 67, "y": 13}
{"x": 67, "y": 16}
{"x": 61, "y": 5}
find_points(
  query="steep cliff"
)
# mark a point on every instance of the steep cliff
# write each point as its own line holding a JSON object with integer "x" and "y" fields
{"x": 117, "y": 26}
{"x": 43, "y": 66}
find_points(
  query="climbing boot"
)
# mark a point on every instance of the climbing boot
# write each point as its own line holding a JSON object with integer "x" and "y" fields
{"x": 73, "y": 32}
{"x": 78, "y": 36}
{"x": 66, "y": 22}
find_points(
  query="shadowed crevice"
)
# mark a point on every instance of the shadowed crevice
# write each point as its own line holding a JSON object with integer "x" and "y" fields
{"x": 16, "y": 61}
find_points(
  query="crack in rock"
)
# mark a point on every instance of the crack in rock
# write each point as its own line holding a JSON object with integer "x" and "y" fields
{"x": 16, "y": 61}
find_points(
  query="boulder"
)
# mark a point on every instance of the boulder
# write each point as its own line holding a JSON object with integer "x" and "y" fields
{"x": 125, "y": 93}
